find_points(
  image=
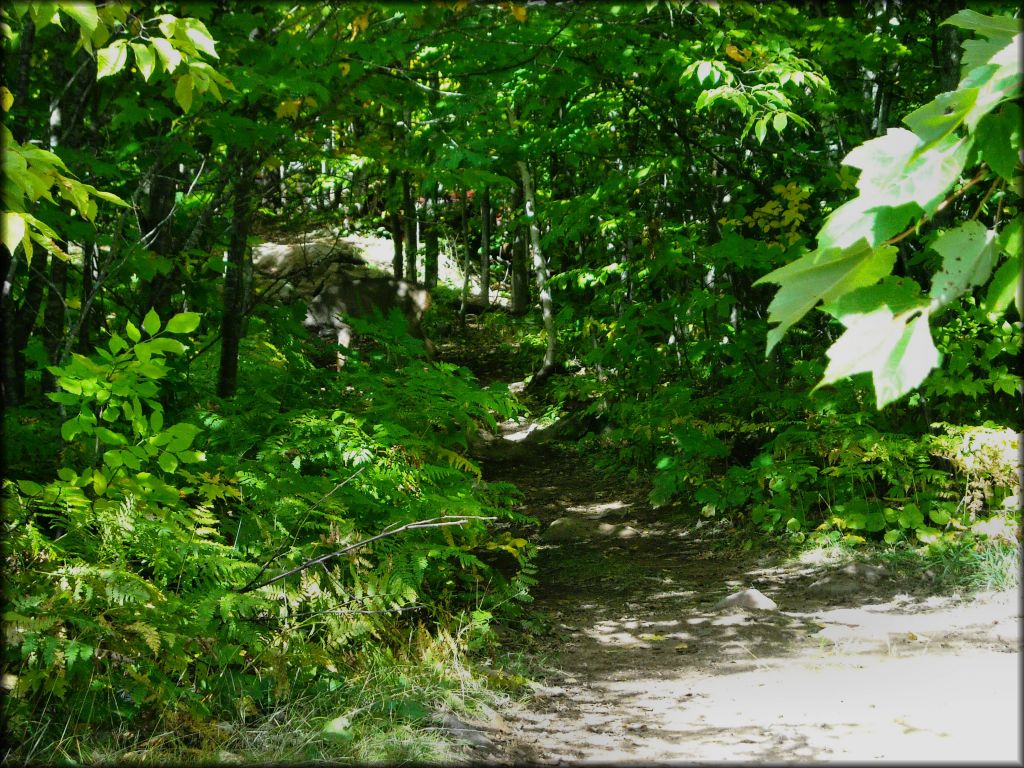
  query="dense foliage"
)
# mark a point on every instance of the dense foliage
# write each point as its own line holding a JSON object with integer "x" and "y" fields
{"x": 200, "y": 520}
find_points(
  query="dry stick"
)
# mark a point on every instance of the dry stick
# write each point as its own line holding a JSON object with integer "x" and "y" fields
{"x": 434, "y": 522}
{"x": 283, "y": 547}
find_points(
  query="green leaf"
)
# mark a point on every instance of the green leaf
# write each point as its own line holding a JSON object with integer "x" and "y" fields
{"x": 183, "y": 92}
{"x": 30, "y": 488}
{"x": 1005, "y": 287}
{"x": 109, "y": 436}
{"x": 822, "y": 276}
{"x": 151, "y": 322}
{"x": 99, "y": 482}
{"x": 181, "y": 435}
{"x": 938, "y": 515}
{"x": 184, "y": 322}
{"x": 132, "y": 332}
{"x": 83, "y": 13}
{"x": 156, "y": 420}
{"x": 999, "y": 139}
{"x": 167, "y": 53}
{"x": 967, "y": 255}
{"x": 900, "y": 294}
{"x": 862, "y": 219}
{"x": 13, "y": 230}
{"x": 897, "y": 168}
{"x": 168, "y": 462}
{"x": 199, "y": 36}
{"x": 910, "y": 516}
{"x": 111, "y": 60}
{"x": 145, "y": 60}
{"x": 898, "y": 351}
{"x": 164, "y": 344}
{"x": 113, "y": 458}
{"x": 942, "y": 115}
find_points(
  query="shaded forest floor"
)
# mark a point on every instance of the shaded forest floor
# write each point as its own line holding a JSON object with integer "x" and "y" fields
{"x": 636, "y": 662}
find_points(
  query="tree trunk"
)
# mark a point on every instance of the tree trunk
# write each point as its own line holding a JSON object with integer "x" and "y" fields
{"x": 54, "y": 315}
{"x": 393, "y": 199}
{"x": 13, "y": 387}
{"x": 466, "y": 260}
{"x": 485, "y": 248}
{"x": 518, "y": 261}
{"x": 409, "y": 210}
{"x": 158, "y": 235}
{"x": 540, "y": 267}
{"x": 431, "y": 247}
{"x": 235, "y": 300}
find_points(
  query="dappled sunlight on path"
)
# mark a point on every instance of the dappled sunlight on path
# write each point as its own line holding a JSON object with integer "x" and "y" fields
{"x": 640, "y": 663}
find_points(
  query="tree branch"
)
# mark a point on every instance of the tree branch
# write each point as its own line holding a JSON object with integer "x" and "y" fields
{"x": 434, "y": 522}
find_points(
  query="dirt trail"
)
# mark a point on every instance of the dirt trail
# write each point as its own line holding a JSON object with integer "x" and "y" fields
{"x": 639, "y": 665}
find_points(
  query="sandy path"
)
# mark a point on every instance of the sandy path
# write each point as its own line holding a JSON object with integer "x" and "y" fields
{"x": 638, "y": 665}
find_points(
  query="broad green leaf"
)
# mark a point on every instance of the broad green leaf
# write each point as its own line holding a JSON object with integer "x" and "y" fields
{"x": 99, "y": 482}
{"x": 1005, "y": 287}
{"x": 894, "y": 172}
{"x": 908, "y": 364}
{"x": 168, "y": 462}
{"x": 996, "y": 81}
{"x": 164, "y": 344}
{"x": 999, "y": 27}
{"x": 145, "y": 60}
{"x": 761, "y": 129}
{"x": 899, "y": 294}
{"x": 111, "y": 60}
{"x": 167, "y": 53}
{"x": 200, "y": 36}
{"x": 6, "y": 98}
{"x": 183, "y": 92}
{"x": 30, "y": 488}
{"x": 182, "y": 434}
{"x": 113, "y": 458}
{"x": 822, "y": 276}
{"x": 132, "y": 332}
{"x": 13, "y": 230}
{"x": 891, "y": 537}
{"x": 109, "y": 436}
{"x": 938, "y": 515}
{"x": 999, "y": 140}
{"x": 862, "y": 219}
{"x": 910, "y": 516}
{"x": 184, "y": 322}
{"x": 897, "y": 350}
{"x": 83, "y": 13}
{"x": 151, "y": 322}
{"x": 967, "y": 255}
{"x": 942, "y": 115}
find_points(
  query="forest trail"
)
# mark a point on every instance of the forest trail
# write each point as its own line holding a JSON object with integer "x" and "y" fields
{"x": 638, "y": 664}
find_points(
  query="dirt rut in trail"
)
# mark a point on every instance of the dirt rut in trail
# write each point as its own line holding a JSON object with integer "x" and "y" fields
{"x": 640, "y": 665}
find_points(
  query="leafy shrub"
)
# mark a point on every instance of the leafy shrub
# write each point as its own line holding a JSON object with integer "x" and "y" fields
{"x": 210, "y": 565}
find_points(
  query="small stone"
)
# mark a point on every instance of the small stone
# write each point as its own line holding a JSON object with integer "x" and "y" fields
{"x": 748, "y": 598}
{"x": 463, "y": 731}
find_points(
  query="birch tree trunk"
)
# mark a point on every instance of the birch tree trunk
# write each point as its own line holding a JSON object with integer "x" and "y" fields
{"x": 540, "y": 267}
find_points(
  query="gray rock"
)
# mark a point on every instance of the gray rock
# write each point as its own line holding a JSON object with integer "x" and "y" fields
{"x": 748, "y": 598}
{"x": 566, "y": 529}
{"x": 463, "y": 731}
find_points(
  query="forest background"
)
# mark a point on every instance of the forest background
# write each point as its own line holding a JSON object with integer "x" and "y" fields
{"x": 768, "y": 255}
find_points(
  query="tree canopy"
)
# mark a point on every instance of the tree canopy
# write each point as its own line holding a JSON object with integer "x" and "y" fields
{"x": 770, "y": 255}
